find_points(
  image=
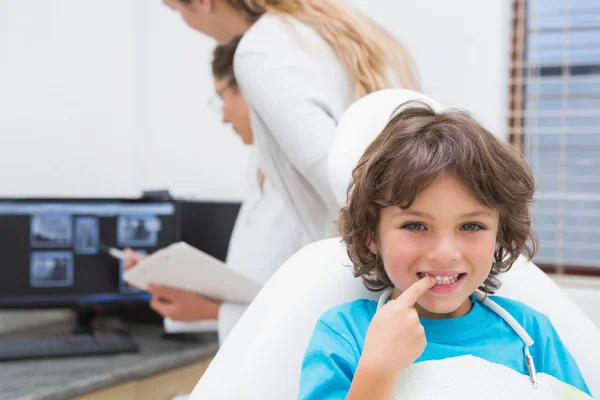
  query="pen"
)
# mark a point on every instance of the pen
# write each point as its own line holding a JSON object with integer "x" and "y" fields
{"x": 113, "y": 251}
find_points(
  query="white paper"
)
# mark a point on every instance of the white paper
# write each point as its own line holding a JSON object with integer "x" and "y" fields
{"x": 192, "y": 326}
{"x": 184, "y": 267}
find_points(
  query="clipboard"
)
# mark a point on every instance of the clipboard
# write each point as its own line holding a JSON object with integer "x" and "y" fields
{"x": 184, "y": 267}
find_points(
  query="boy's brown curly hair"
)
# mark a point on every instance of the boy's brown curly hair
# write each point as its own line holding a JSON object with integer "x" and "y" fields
{"x": 416, "y": 148}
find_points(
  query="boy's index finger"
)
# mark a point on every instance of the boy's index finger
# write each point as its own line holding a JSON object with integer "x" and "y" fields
{"x": 411, "y": 295}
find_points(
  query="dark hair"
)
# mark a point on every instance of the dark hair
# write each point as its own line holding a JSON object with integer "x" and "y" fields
{"x": 222, "y": 64}
{"x": 416, "y": 148}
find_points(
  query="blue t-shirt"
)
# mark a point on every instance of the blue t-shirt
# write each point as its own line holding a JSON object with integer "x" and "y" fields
{"x": 337, "y": 343}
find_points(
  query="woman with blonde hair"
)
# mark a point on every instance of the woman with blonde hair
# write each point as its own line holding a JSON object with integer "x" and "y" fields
{"x": 299, "y": 65}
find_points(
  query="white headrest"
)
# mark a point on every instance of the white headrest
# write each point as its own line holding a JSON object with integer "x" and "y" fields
{"x": 359, "y": 126}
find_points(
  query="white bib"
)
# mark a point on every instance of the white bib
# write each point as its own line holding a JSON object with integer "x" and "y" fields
{"x": 469, "y": 377}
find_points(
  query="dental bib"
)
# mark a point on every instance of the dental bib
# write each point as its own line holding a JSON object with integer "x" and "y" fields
{"x": 469, "y": 377}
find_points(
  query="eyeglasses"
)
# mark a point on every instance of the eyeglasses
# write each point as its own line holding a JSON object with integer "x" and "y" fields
{"x": 216, "y": 101}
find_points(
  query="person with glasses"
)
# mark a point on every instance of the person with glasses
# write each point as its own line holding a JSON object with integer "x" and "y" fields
{"x": 228, "y": 98}
{"x": 265, "y": 234}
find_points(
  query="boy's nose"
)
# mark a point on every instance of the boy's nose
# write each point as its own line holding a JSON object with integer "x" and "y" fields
{"x": 444, "y": 251}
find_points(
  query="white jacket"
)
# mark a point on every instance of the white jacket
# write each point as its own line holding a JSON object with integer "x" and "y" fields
{"x": 265, "y": 235}
{"x": 297, "y": 91}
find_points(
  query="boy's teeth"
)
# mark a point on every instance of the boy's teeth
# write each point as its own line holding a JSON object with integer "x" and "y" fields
{"x": 444, "y": 280}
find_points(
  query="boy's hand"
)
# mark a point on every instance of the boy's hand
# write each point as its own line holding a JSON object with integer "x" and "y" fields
{"x": 396, "y": 338}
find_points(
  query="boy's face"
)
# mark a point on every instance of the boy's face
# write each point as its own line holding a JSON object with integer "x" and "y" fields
{"x": 447, "y": 233}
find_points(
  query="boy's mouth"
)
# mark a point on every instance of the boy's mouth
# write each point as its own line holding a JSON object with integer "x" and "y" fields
{"x": 443, "y": 279}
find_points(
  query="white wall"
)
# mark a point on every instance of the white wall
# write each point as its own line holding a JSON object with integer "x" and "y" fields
{"x": 188, "y": 148}
{"x": 67, "y": 98}
{"x": 587, "y": 297}
{"x": 107, "y": 98}
{"x": 461, "y": 48}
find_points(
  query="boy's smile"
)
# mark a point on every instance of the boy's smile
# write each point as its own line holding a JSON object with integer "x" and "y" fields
{"x": 446, "y": 233}
{"x": 447, "y": 281}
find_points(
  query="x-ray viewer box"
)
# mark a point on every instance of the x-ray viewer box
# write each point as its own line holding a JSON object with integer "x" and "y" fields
{"x": 182, "y": 266}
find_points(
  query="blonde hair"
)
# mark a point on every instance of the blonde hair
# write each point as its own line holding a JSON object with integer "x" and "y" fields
{"x": 371, "y": 55}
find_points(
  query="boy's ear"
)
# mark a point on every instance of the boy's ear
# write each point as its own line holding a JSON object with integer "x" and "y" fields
{"x": 373, "y": 246}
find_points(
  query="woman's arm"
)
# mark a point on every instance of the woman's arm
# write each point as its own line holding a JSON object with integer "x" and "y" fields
{"x": 181, "y": 305}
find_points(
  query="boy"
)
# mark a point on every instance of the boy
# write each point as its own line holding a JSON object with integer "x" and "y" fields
{"x": 437, "y": 208}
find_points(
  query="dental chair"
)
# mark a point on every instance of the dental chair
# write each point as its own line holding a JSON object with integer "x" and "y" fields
{"x": 261, "y": 359}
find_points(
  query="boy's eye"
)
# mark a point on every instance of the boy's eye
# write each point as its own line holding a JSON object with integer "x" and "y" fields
{"x": 471, "y": 227}
{"x": 414, "y": 226}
